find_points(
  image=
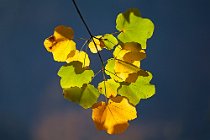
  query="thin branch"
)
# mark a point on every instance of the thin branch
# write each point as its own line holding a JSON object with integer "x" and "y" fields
{"x": 96, "y": 74}
{"x": 78, "y": 11}
{"x": 86, "y": 41}
{"x": 91, "y": 36}
{"x": 116, "y": 32}
{"x": 81, "y": 39}
{"x": 87, "y": 28}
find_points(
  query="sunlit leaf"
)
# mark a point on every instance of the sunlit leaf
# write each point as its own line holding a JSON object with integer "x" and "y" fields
{"x": 109, "y": 70}
{"x": 134, "y": 28}
{"x": 111, "y": 88}
{"x": 60, "y": 43}
{"x": 85, "y": 96}
{"x": 96, "y": 42}
{"x": 80, "y": 56}
{"x": 141, "y": 89}
{"x": 113, "y": 117}
{"x": 122, "y": 71}
{"x": 130, "y": 52}
{"x": 109, "y": 41}
{"x": 62, "y": 49}
{"x": 49, "y": 43}
{"x": 73, "y": 75}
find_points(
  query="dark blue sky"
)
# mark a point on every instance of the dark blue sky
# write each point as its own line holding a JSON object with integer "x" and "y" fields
{"x": 32, "y": 106}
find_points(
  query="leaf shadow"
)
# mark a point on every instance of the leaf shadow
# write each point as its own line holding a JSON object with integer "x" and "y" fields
{"x": 77, "y": 67}
{"x": 135, "y": 11}
{"x": 120, "y": 128}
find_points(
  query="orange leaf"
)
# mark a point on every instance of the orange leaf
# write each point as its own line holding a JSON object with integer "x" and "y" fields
{"x": 113, "y": 116}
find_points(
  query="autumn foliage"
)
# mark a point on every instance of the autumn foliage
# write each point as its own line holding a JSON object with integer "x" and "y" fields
{"x": 127, "y": 84}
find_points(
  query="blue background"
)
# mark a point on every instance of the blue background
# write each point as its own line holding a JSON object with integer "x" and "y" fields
{"x": 31, "y": 102}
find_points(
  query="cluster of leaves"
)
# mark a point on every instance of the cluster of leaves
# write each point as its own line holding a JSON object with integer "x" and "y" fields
{"x": 127, "y": 84}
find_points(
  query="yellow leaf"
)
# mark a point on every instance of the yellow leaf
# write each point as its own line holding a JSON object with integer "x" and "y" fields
{"x": 129, "y": 52}
{"x": 61, "y": 44}
{"x": 49, "y": 43}
{"x": 80, "y": 56}
{"x": 98, "y": 42}
{"x": 113, "y": 116}
{"x": 124, "y": 69}
{"x": 127, "y": 61}
{"x": 62, "y": 49}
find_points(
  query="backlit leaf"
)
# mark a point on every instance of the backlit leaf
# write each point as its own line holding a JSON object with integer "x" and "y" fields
{"x": 129, "y": 52}
{"x": 113, "y": 117}
{"x": 122, "y": 71}
{"x": 132, "y": 57}
{"x": 60, "y": 43}
{"x": 62, "y": 49}
{"x": 109, "y": 41}
{"x": 141, "y": 89}
{"x": 111, "y": 88}
{"x": 80, "y": 56}
{"x": 96, "y": 42}
{"x": 85, "y": 96}
{"x": 109, "y": 70}
{"x": 134, "y": 28}
{"x": 73, "y": 75}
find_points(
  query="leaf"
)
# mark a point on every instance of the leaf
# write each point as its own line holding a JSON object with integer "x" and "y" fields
{"x": 113, "y": 116}
{"x": 80, "y": 56}
{"x": 85, "y": 96}
{"x": 134, "y": 28}
{"x": 122, "y": 71}
{"x": 62, "y": 49}
{"x": 111, "y": 88}
{"x": 109, "y": 41}
{"x": 109, "y": 70}
{"x": 130, "y": 52}
{"x": 96, "y": 41}
{"x": 60, "y": 43}
{"x": 141, "y": 89}
{"x": 73, "y": 75}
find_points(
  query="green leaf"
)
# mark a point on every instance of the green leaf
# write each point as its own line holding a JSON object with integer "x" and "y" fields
{"x": 141, "y": 89}
{"x": 73, "y": 75}
{"x": 111, "y": 88}
{"x": 109, "y": 41}
{"x": 134, "y": 28}
{"x": 85, "y": 96}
